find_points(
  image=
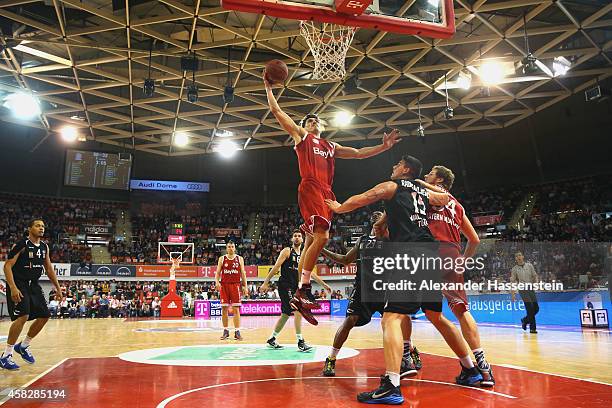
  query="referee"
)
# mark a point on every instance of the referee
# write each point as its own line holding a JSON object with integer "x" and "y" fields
{"x": 524, "y": 272}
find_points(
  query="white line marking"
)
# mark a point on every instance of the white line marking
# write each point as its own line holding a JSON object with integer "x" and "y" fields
{"x": 165, "y": 402}
{"x": 39, "y": 376}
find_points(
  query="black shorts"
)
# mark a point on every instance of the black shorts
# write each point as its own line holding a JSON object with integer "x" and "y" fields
{"x": 286, "y": 292}
{"x": 364, "y": 310}
{"x": 33, "y": 304}
{"x": 432, "y": 304}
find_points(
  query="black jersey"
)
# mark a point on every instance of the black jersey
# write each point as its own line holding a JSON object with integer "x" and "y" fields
{"x": 289, "y": 269}
{"x": 363, "y": 242}
{"x": 30, "y": 263}
{"x": 407, "y": 213}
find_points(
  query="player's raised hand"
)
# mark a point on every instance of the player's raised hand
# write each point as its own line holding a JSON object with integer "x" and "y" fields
{"x": 265, "y": 80}
{"x": 391, "y": 139}
{"x": 327, "y": 288}
{"x": 334, "y": 205}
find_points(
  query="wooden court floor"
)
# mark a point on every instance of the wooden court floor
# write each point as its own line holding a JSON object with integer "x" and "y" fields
{"x": 80, "y": 356}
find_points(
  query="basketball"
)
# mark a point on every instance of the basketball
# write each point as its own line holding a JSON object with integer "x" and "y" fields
{"x": 276, "y": 71}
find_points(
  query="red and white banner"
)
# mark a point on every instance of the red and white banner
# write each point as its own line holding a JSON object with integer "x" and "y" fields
{"x": 2, "y": 288}
{"x": 163, "y": 271}
{"x": 487, "y": 220}
{"x": 176, "y": 239}
{"x": 324, "y": 270}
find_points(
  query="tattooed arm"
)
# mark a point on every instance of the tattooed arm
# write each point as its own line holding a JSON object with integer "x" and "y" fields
{"x": 383, "y": 191}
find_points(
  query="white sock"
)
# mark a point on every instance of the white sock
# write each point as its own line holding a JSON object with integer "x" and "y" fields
{"x": 394, "y": 377}
{"x": 26, "y": 341}
{"x": 236, "y": 329}
{"x": 8, "y": 351}
{"x": 334, "y": 353}
{"x": 305, "y": 277}
{"x": 274, "y": 335}
{"x": 299, "y": 336}
{"x": 225, "y": 328}
{"x": 467, "y": 361}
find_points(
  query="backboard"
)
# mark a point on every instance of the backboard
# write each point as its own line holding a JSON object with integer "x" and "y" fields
{"x": 429, "y": 18}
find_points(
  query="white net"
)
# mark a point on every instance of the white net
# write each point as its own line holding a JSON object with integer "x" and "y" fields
{"x": 329, "y": 44}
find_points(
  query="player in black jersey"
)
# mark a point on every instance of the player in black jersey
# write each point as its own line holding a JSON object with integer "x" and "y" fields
{"x": 287, "y": 262}
{"x": 27, "y": 260}
{"x": 406, "y": 204}
{"x": 359, "y": 313}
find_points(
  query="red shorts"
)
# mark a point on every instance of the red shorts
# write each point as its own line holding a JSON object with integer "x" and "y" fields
{"x": 457, "y": 299}
{"x": 311, "y": 200}
{"x": 230, "y": 294}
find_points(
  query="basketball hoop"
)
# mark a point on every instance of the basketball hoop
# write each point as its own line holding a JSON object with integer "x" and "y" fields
{"x": 329, "y": 44}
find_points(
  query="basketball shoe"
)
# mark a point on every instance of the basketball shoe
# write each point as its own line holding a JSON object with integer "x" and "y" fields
{"x": 303, "y": 347}
{"x": 8, "y": 363}
{"x": 273, "y": 344}
{"x": 469, "y": 376}
{"x": 386, "y": 393}
{"x": 25, "y": 353}
{"x": 329, "y": 369}
{"x": 225, "y": 335}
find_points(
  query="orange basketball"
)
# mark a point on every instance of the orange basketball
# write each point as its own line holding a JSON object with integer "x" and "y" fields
{"x": 276, "y": 71}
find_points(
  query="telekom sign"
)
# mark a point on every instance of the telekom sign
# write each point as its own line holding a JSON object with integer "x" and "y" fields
{"x": 357, "y": 7}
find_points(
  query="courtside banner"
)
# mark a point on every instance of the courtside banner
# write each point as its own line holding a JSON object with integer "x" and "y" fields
{"x": 262, "y": 271}
{"x": 103, "y": 270}
{"x": 61, "y": 270}
{"x": 273, "y": 308}
{"x": 163, "y": 271}
{"x": 2, "y": 288}
{"x": 160, "y": 185}
{"x": 324, "y": 270}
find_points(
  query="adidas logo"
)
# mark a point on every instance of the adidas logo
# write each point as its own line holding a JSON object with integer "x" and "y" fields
{"x": 172, "y": 305}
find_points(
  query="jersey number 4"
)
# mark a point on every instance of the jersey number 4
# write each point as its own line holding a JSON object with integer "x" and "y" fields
{"x": 450, "y": 206}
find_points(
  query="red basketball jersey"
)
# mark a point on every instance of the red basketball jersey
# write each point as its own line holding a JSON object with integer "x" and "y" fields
{"x": 230, "y": 270}
{"x": 316, "y": 160}
{"x": 445, "y": 222}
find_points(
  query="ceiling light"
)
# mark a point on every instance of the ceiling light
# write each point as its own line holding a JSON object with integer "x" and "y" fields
{"x": 192, "y": 93}
{"x": 492, "y": 72}
{"x": 226, "y": 149}
{"x": 224, "y": 133}
{"x": 464, "y": 80}
{"x": 181, "y": 139}
{"x": 149, "y": 87}
{"x": 343, "y": 118}
{"x": 69, "y": 134}
{"x": 560, "y": 66}
{"x": 23, "y": 105}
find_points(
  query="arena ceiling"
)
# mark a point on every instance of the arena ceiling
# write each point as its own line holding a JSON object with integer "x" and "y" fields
{"x": 87, "y": 60}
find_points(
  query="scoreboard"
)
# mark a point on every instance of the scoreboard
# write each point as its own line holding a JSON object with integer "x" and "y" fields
{"x": 176, "y": 228}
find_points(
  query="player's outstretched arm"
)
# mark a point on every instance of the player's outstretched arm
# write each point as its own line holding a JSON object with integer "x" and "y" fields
{"x": 383, "y": 191}
{"x": 282, "y": 257}
{"x": 389, "y": 140}
{"x": 245, "y": 287}
{"x": 438, "y": 199}
{"x": 320, "y": 281}
{"x": 16, "y": 294}
{"x": 332, "y": 256}
{"x": 430, "y": 187}
{"x": 52, "y": 276}
{"x": 296, "y": 132}
{"x": 218, "y": 272}
{"x": 472, "y": 237}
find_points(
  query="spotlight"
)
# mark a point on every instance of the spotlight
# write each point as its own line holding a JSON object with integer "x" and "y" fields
{"x": 69, "y": 134}
{"x": 149, "y": 87}
{"x": 192, "y": 93}
{"x": 491, "y": 72}
{"x": 224, "y": 133}
{"x": 181, "y": 139}
{"x": 228, "y": 94}
{"x": 530, "y": 65}
{"x": 448, "y": 113}
{"x": 560, "y": 66}
{"x": 226, "y": 149}
{"x": 24, "y": 106}
{"x": 464, "y": 80}
{"x": 343, "y": 118}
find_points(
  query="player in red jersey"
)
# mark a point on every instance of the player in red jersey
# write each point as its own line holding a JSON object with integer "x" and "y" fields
{"x": 230, "y": 273}
{"x": 446, "y": 224}
{"x": 316, "y": 157}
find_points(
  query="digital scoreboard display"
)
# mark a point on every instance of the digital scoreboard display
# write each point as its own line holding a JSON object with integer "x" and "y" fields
{"x": 176, "y": 229}
{"x": 97, "y": 169}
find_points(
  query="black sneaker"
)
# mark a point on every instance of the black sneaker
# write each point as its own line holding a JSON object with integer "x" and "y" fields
{"x": 303, "y": 347}
{"x": 487, "y": 376}
{"x": 524, "y": 323}
{"x": 329, "y": 370}
{"x": 237, "y": 335}
{"x": 534, "y": 331}
{"x": 225, "y": 335}
{"x": 469, "y": 377}
{"x": 416, "y": 358}
{"x": 407, "y": 368}
{"x": 273, "y": 344}
{"x": 385, "y": 394}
